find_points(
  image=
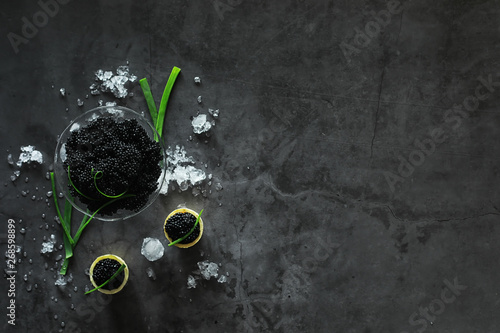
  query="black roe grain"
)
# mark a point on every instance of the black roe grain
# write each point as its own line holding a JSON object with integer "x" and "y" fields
{"x": 104, "y": 270}
{"x": 180, "y": 224}
{"x": 125, "y": 157}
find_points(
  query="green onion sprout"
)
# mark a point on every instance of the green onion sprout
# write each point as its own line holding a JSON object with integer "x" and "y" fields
{"x": 159, "y": 116}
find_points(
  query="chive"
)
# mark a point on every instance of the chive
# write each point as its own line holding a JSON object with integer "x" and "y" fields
{"x": 68, "y": 247}
{"x": 73, "y": 185}
{"x": 85, "y": 222}
{"x": 98, "y": 175}
{"x": 189, "y": 233}
{"x": 122, "y": 267}
{"x": 159, "y": 116}
{"x": 63, "y": 222}
{"x": 164, "y": 99}
{"x": 149, "y": 99}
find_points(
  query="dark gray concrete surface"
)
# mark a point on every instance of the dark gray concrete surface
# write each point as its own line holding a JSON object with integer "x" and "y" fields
{"x": 358, "y": 195}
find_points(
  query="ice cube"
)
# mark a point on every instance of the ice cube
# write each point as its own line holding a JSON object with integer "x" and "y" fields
{"x": 152, "y": 249}
{"x": 208, "y": 269}
{"x": 191, "y": 282}
{"x": 151, "y": 274}
{"x": 79, "y": 102}
{"x": 122, "y": 70}
{"x": 63, "y": 92}
{"x": 197, "y": 80}
{"x": 61, "y": 281}
{"x": 48, "y": 246}
{"x": 196, "y": 175}
{"x": 214, "y": 113}
{"x": 218, "y": 186}
{"x": 199, "y": 99}
{"x": 110, "y": 103}
{"x": 74, "y": 127}
{"x": 196, "y": 191}
{"x": 99, "y": 74}
{"x": 28, "y": 155}
{"x": 200, "y": 124}
{"x": 37, "y": 157}
{"x": 107, "y": 75}
{"x": 222, "y": 279}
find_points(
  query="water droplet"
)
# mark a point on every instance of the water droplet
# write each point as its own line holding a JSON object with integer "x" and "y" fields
{"x": 28, "y": 288}
{"x": 22, "y": 231}
{"x": 25, "y": 277}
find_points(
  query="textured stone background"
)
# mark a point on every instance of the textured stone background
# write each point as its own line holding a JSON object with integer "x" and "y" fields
{"x": 357, "y": 190}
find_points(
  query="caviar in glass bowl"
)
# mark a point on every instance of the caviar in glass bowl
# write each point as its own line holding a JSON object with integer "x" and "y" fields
{"x": 108, "y": 161}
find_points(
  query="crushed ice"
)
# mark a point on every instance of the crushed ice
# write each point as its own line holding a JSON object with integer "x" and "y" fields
{"x": 48, "y": 246}
{"x": 214, "y": 113}
{"x": 29, "y": 154}
{"x": 206, "y": 270}
{"x": 201, "y": 124}
{"x": 63, "y": 280}
{"x": 10, "y": 160}
{"x": 151, "y": 274}
{"x": 152, "y": 249}
{"x": 181, "y": 169}
{"x": 191, "y": 282}
{"x": 107, "y": 81}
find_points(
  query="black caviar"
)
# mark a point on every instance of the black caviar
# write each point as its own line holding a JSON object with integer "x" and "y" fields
{"x": 113, "y": 158}
{"x": 180, "y": 224}
{"x": 104, "y": 270}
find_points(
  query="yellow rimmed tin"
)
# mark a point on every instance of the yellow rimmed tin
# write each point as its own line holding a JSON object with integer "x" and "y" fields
{"x": 184, "y": 210}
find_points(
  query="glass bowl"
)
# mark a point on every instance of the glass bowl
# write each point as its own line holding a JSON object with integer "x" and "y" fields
{"x": 118, "y": 114}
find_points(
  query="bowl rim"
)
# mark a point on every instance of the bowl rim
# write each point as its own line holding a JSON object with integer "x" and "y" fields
{"x": 108, "y": 108}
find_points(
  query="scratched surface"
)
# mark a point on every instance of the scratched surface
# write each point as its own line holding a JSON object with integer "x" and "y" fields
{"x": 357, "y": 146}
